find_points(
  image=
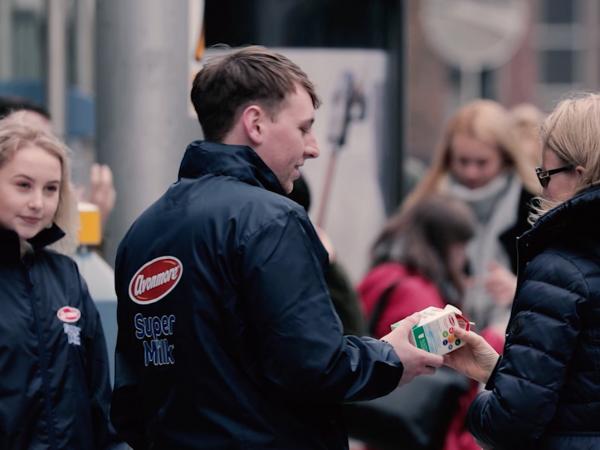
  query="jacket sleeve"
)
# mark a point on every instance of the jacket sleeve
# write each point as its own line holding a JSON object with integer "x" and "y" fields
{"x": 522, "y": 394}
{"x": 97, "y": 374}
{"x": 345, "y": 299}
{"x": 300, "y": 349}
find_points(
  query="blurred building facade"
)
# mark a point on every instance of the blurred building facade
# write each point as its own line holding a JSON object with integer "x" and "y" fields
{"x": 559, "y": 54}
{"x": 76, "y": 56}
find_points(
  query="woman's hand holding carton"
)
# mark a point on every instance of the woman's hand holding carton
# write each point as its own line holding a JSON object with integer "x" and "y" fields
{"x": 476, "y": 359}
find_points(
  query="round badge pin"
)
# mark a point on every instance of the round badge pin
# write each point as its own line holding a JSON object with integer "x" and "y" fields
{"x": 68, "y": 314}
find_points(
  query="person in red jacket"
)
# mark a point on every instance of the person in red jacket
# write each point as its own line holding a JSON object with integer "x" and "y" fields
{"x": 421, "y": 256}
{"x": 419, "y": 260}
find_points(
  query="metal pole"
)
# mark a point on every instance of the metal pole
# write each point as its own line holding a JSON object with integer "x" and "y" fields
{"x": 391, "y": 160}
{"x": 56, "y": 87}
{"x": 470, "y": 85}
{"x": 329, "y": 175}
{"x": 142, "y": 90}
{"x": 5, "y": 39}
{"x": 84, "y": 45}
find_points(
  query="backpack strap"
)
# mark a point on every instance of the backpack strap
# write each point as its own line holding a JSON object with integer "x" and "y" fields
{"x": 380, "y": 305}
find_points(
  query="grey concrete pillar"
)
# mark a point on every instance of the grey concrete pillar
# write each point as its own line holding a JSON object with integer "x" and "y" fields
{"x": 142, "y": 124}
{"x": 84, "y": 45}
{"x": 56, "y": 47}
{"x": 5, "y": 39}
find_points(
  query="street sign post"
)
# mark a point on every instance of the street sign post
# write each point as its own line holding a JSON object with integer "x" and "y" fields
{"x": 474, "y": 35}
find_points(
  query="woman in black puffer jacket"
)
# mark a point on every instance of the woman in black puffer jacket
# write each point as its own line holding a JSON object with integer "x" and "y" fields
{"x": 544, "y": 392}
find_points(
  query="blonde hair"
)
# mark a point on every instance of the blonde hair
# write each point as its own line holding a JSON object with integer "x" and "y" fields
{"x": 572, "y": 132}
{"x": 487, "y": 121}
{"x": 15, "y": 134}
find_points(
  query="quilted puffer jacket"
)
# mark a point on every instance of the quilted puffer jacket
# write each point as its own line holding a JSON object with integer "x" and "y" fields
{"x": 545, "y": 390}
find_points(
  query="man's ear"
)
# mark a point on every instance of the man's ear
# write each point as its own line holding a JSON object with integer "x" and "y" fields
{"x": 252, "y": 118}
{"x": 579, "y": 170}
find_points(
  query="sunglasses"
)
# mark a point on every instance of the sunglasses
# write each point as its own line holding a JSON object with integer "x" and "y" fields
{"x": 544, "y": 175}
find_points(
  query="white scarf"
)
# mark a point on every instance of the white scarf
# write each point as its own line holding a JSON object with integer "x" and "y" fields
{"x": 496, "y": 207}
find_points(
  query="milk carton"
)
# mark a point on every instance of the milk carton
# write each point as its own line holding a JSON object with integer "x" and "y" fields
{"x": 435, "y": 331}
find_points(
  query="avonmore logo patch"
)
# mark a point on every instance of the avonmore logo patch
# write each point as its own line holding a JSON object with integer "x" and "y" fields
{"x": 155, "y": 279}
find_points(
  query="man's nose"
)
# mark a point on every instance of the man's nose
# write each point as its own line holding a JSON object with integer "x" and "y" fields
{"x": 312, "y": 147}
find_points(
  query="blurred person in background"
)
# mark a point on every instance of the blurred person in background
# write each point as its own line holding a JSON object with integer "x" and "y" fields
{"x": 418, "y": 261}
{"x": 344, "y": 297}
{"x": 526, "y": 120}
{"x": 54, "y": 388}
{"x": 421, "y": 255}
{"x": 544, "y": 391}
{"x": 479, "y": 161}
{"x": 101, "y": 188}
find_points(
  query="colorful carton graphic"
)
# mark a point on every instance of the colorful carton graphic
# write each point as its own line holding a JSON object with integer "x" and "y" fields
{"x": 435, "y": 331}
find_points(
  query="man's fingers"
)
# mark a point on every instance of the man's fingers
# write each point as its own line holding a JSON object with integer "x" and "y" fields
{"x": 94, "y": 173}
{"x": 407, "y": 323}
{"x": 428, "y": 370}
{"x": 107, "y": 175}
{"x": 449, "y": 359}
{"x": 435, "y": 361}
{"x": 431, "y": 359}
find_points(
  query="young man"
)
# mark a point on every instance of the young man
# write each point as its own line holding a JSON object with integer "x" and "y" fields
{"x": 227, "y": 335}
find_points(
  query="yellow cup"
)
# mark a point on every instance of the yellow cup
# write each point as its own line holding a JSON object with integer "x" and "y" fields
{"x": 90, "y": 227}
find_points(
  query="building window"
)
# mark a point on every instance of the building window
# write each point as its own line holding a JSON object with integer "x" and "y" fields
{"x": 558, "y": 66}
{"x": 558, "y": 11}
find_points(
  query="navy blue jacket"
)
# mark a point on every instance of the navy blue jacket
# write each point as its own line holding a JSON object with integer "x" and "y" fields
{"x": 227, "y": 336}
{"x": 545, "y": 390}
{"x": 54, "y": 386}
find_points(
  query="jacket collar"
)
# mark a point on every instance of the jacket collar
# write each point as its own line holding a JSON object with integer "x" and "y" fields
{"x": 575, "y": 218}
{"x": 241, "y": 162}
{"x": 11, "y": 248}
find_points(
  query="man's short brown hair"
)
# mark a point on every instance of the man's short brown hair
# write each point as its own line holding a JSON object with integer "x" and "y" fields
{"x": 253, "y": 74}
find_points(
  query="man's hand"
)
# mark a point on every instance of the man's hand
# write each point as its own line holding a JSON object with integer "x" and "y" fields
{"x": 476, "y": 359}
{"x": 102, "y": 190}
{"x": 415, "y": 361}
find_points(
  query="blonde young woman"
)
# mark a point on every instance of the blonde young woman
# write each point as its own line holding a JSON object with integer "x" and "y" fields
{"x": 479, "y": 161}
{"x": 54, "y": 388}
{"x": 544, "y": 392}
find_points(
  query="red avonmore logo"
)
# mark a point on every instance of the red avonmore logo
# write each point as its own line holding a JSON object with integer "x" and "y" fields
{"x": 155, "y": 279}
{"x": 68, "y": 314}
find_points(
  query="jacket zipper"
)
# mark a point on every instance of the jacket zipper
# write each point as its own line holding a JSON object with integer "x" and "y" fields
{"x": 520, "y": 268}
{"x": 43, "y": 362}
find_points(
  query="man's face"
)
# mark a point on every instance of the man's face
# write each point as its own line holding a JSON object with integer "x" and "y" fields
{"x": 288, "y": 138}
{"x": 474, "y": 163}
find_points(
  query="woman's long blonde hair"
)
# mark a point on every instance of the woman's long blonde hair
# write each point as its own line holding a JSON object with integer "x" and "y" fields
{"x": 485, "y": 120}
{"x": 572, "y": 132}
{"x": 15, "y": 134}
